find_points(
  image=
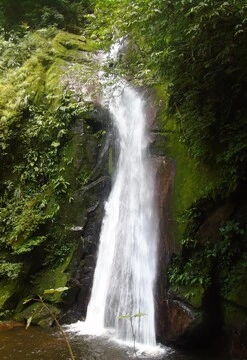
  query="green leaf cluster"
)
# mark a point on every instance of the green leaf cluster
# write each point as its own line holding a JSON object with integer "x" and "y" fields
{"x": 223, "y": 260}
{"x": 36, "y": 114}
{"x": 199, "y": 49}
{"x": 24, "y": 14}
{"x": 10, "y": 270}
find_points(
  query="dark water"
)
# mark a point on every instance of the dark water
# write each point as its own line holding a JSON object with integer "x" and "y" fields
{"x": 42, "y": 344}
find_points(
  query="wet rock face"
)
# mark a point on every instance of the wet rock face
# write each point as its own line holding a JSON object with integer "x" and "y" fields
{"x": 164, "y": 168}
{"x": 84, "y": 261}
{"x": 85, "y": 217}
{"x": 177, "y": 318}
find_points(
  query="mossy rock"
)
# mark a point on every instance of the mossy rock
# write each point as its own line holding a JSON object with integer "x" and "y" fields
{"x": 192, "y": 295}
{"x": 193, "y": 180}
{"x": 66, "y": 44}
{"x": 39, "y": 314}
{"x": 8, "y": 289}
{"x": 37, "y": 218}
{"x": 52, "y": 279}
{"x": 238, "y": 292}
{"x": 234, "y": 315}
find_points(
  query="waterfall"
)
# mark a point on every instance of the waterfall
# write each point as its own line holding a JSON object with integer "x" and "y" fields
{"x": 125, "y": 270}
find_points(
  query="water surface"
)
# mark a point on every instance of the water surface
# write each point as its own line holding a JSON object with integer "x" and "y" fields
{"x": 46, "y": 344}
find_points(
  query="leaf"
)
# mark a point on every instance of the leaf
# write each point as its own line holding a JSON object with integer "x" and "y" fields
{"x": 124, "y": 317}
{"x": 29, "y": 320}
{"x": 61, "y": 289}
{"x": 50, "y": 291}
{"x": 131, "y": 316}
{"x": 138, "y": 315}
{"x": 57, "y": 290}
{"x": 55, "y": 144}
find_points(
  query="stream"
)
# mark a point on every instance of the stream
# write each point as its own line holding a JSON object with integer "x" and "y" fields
{"x": 46, "y": 344}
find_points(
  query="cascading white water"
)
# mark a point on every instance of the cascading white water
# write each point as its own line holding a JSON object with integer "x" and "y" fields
{"x": 125, "y": 270}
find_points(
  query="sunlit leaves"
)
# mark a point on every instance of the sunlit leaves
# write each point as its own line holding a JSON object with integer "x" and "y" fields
{"x": 27, "y": 13}
{"x": 54, "y": 291}
{"x": 10, "y": 270}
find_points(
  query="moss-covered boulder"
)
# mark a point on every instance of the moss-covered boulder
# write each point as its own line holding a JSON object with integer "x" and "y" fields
{"x": 54, "y": 166}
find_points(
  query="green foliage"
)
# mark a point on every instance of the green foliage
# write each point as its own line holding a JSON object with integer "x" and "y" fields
{"x": 195, "y": 272}
{"x": 53, "y": 291}
{"x": 232, "y": 251}
{"x": 196, "y": 266}
{"x": 200, "y": 49}
{"x": 24, "y": 14}
{"x": 29, "y": 245}
{"x": 37, "y": 112}
{"x": 208, "y": 79}
{"x": 16, "y": 48}
{"x": 10, "y": 270}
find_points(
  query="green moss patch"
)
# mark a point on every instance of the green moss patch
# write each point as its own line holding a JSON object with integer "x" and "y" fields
{"x": 7, "y": 290}
{"x": 238, "y": 292}
{"x": 191, "y": 294}
{"x": 65, "y": 43}
{"x": 39, "y": 314}
{"x": 193, "y": 180}
{"x": 234, "y": 315}
{"x": 52, "y": 279}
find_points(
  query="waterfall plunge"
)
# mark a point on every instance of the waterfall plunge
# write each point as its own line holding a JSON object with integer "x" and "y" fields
{"x": 125, "y": 271}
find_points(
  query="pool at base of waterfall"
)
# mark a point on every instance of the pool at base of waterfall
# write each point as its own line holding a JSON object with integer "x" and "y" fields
{"x": 36, "y": 343}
